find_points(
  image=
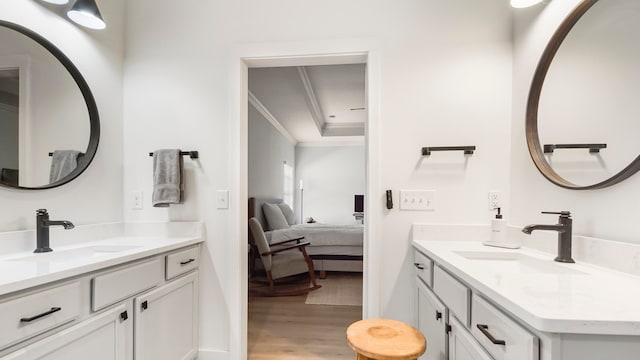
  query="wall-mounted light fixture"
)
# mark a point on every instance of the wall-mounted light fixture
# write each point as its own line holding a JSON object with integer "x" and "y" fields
{"x": 86, "y": 13}
{"x": 82, "y": 12}
{"x": 526, "y": 3}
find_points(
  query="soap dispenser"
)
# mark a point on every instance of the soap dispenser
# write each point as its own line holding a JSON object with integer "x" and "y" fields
{"x": 499, "y": 233}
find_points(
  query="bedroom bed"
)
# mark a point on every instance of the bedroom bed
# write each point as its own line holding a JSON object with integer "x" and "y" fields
{"x": 332, "y": 248}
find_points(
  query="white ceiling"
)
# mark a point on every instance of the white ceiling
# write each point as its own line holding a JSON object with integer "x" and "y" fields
{"x": 322, "y": 104}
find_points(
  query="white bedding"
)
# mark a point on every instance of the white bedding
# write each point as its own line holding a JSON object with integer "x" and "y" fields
{"x": 321, "y": 234}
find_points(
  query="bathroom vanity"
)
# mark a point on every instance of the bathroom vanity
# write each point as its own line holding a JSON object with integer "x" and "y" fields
{"x": 120, "y": 297}
{"x": 483, "y": 303}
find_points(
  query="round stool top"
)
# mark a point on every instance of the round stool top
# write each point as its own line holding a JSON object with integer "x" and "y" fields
{"x": 385, "y": 339}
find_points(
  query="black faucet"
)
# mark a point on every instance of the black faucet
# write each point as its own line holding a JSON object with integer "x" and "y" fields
{"x": 563, "y": 227}
{"x": 42, "y": 230}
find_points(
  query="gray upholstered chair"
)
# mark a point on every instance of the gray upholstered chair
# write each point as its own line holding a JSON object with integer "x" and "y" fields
{"x": 282, "y": 259}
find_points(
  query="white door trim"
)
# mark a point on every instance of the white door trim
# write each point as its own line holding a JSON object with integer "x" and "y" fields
{"x": 296, "y": 54}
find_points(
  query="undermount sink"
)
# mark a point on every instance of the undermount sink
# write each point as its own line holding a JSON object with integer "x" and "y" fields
{"x": 513, "y": 262}
{"x": 75, "y": 254}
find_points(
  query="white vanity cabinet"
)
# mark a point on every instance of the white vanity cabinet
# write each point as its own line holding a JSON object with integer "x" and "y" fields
{"x": 451, "y": 319}
{"x": 166, "y": 325}
{"x": 432, "y": 318}
{"x": 493, "y": 315}
{"x": 142, "y": 309}
{"x": 101, "y": 337}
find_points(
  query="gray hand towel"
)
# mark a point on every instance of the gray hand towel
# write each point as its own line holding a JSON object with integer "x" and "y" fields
{"x": 63, "y": 162}
{"x": 167, "y": 177}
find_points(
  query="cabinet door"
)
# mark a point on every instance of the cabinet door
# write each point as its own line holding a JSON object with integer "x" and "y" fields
{"x": 101, "y": 337}
{"x": 431, "y": 320}
{"x": 462, "y": 346}
{"x": 166, "y": 326}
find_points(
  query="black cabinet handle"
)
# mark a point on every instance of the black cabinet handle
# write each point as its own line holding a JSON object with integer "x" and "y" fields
{"x": 438, "y": 315}
{"x": 187, "y": 262}
{"x": 485, "y": 330}
{"x": 144, "y": 305}
{"x": 36, "y": 317}
{"x": 419, "y": 266}
{"x": 124, "y": 315}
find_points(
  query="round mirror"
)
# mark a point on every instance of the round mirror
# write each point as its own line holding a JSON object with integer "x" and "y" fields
{"x": 49, "y": 126}
{"x": 583, "y": 109}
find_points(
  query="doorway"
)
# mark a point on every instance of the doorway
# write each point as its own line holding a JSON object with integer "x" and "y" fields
{"x": 306, "y": 152}
{"x": 301, "y": 54}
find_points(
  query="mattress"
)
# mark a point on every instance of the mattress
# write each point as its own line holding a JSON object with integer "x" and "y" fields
{"x": 325, "y": 239}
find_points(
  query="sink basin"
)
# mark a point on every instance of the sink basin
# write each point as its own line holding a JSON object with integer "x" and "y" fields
{"x": 513, "y": 262}
{"x": 75, "y": 254}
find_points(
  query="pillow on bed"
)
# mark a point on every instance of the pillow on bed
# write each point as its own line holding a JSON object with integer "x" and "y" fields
{"x": 275, "y": 218}
{"x": 288, "y": 213}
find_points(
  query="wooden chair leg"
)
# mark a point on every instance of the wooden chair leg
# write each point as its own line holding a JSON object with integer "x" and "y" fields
{"x": 271, "y": 284}
{"x": 323, "y": 274}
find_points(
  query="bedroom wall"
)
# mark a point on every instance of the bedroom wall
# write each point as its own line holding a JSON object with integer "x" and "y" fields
{"x": 444, "y": 78}
{"x": 331, "y": 176}
{"x": 268, "y": 150}
{"x": 99, "y": 57}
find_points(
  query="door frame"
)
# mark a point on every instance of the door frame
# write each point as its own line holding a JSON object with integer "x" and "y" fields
{"x": 307, "y": 53}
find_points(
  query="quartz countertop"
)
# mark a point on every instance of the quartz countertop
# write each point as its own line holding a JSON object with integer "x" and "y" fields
{"x": 570, "y": 298}
{"x": 22, "y": 270}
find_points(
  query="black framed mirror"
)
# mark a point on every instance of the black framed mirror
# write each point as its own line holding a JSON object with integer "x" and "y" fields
{"x": 49, "y": 122}
{"x": 582, "y": 111}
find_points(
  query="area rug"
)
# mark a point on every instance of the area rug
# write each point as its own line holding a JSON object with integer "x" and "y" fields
{"x": 338, "y": 289}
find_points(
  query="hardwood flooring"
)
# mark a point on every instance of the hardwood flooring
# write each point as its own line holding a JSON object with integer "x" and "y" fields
{"x": 285, "y": 328}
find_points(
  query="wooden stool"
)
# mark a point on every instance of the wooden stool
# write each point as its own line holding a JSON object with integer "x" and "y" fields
{"x": 384, "y": 339}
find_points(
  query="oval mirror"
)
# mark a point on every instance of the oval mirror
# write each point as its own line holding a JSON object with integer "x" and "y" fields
{"x": 583, "y": 108}
{"x": 49, "y": 126}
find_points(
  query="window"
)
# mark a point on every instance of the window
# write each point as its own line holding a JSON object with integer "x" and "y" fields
{"x": 288, "y": 185}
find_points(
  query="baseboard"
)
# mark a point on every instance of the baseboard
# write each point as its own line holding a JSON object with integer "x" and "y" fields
{"x": 213, "y": 355}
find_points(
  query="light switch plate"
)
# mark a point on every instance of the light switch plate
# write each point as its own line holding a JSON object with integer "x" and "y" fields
{"x": 424, "y": 200}
{"x": 222, "y": 200}
{"x": 137, "y": 200}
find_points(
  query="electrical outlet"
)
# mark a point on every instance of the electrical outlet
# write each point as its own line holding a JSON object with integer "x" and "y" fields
{"x": 136, "y": 200}
{"x": 495, "y": 199}
{"x": 418, "y": 200}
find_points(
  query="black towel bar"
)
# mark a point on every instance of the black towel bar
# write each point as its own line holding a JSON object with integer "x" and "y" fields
{"x": 468, "y": 150}
{"x": 593, "y": 148}
{"x": 192, "y": 154}
{"x": 81, "y": 154}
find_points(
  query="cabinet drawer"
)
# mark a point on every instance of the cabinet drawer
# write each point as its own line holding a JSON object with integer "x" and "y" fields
{"x": 424, "y": 267}
{"x": 182, "y": 262}
{"x": 488, "y": 322}
{"x": 123, "y": 283}
{"x": 453, "y": 293}
{"x": 33, "y": 314}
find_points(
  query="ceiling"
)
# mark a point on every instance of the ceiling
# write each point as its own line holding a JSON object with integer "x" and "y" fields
{"x": 323, "y": 104}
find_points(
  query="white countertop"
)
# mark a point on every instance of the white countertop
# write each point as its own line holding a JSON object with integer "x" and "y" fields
{"x": 589, "y": 300}
{"x": 20, "y": 275}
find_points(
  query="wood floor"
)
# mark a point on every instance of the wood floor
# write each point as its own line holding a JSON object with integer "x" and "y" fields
{"x": 286, "y": 328}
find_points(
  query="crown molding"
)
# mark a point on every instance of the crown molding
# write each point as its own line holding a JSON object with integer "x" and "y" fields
{"x": 253, "y": 100}
{"x": 312, "y": 101}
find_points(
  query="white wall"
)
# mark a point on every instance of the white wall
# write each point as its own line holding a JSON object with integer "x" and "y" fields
{"x": 609, "y": 213}
{"x": 331, "y": 176}
{"x": 99, "y": 56}
{"x": 444, "y": 79}
{"x": 268, "y": 151}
